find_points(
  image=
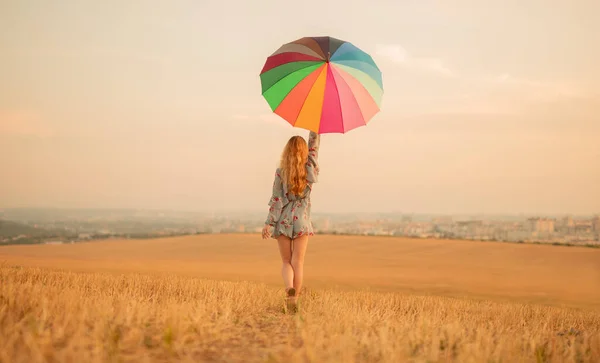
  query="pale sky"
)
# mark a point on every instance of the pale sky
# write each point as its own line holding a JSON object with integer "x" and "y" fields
{"x": 489, "y": 106}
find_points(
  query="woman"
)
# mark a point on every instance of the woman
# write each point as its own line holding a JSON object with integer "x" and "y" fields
{"x": 289, "y": 212}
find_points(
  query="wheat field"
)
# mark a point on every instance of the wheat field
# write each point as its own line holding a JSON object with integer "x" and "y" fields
{"x": 218, "y": 299}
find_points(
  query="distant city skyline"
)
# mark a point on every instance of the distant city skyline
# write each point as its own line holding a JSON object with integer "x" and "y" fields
{"x": 258, "y": 212}
{"x": 68, "y": 226}
{"x": 489, "y": 107}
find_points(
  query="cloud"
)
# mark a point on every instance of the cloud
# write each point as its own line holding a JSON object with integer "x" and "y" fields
{"x": 474, "y": 93}
{"x": 23, "y": 123}
{"x": 397, "y": 54}
{"x": 533, "y": 90}
{"x": 537, "y": 90}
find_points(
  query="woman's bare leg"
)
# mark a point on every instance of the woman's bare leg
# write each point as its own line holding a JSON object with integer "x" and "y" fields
{"x": 287, "y": 271}
{"x": 298, "y": 253}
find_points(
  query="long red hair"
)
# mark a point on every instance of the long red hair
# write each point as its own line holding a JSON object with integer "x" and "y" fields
{"x": 293, "y": 164}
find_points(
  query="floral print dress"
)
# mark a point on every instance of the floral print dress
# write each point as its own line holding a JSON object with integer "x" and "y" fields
{"x": 290, "y": 214}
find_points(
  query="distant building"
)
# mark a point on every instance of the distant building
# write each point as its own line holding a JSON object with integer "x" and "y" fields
{"x": 470, "y": 226}
{"x": 54, "y": 242}
{"x": 475, "y": 223}
{"x": 596, "y": 224}
{"x": 568, "y": 222}
{"x": 443, "y": 220}
{"x": 541, "y": 225}
{"x": 584, "y": 226}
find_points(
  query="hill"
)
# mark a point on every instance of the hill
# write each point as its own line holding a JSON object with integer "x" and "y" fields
{"x": 13, "y": 229}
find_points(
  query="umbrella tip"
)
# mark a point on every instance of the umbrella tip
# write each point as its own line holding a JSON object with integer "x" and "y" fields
{"x": 328, "y": 56}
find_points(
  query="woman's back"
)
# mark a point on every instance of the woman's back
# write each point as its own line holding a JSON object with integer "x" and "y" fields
{"x": 289, "y": 212}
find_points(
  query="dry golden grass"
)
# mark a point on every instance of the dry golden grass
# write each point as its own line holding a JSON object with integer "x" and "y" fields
{"x": 560, "y": 276}
{"x": 369, "y": 300}
{"x": 58, "y": 316}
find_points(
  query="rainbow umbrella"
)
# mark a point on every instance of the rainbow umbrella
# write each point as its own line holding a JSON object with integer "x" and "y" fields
{"x": 322, "y": 84}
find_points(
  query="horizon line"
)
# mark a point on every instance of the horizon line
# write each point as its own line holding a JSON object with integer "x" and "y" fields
{"x": 223, "y": 211}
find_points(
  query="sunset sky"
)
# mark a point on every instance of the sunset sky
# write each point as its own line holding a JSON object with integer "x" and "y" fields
{"x": 489, "y": 106}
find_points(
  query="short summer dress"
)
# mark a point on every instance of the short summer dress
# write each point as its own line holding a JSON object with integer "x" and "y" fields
{"x": 290, "y": 214}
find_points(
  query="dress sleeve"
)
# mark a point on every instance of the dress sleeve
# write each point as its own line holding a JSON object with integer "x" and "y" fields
{"x": 312, "y": 166}
{"x": 276, "y": 201}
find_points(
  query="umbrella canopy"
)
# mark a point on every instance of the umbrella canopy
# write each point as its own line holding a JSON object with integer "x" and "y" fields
{"x": 322, "y": 84}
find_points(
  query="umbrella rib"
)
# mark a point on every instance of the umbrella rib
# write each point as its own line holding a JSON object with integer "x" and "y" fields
{"x": 344, "y": 62}
{"x": 289, "y": 74}
{"x": 306, "y": 98}
{"x": 357, "y": 50}
{"x": 351, "y": 95}
{"x": 317, "y": 49}
{"x": 379, "y": 90}
{"x": 310, "y": 52}
{"x": 337, "y": 93}
{"x": 290, "y": 90}
{"x": 338, "y": 48}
